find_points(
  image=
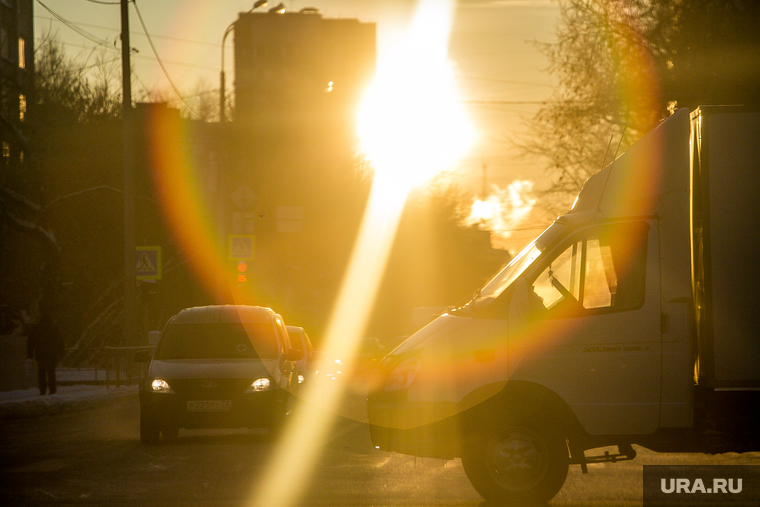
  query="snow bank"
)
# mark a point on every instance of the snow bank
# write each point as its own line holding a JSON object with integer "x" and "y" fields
{"x": 29, "y": 402}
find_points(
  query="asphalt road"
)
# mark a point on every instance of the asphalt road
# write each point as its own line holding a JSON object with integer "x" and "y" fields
{"x": 93, "y": 457}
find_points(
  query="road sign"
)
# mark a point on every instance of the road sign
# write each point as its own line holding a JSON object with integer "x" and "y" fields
{"x": 148, "y": 262}
{"x": 241, "y": 247}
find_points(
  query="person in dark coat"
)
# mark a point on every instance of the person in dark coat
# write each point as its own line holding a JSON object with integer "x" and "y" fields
{"x": 45, "y": 344}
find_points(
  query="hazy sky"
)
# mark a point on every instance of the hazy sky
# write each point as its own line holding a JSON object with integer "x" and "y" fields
{"x": 490, "y": 46}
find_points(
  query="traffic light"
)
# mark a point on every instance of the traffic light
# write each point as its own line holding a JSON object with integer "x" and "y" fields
{"x": 242, "y": 269}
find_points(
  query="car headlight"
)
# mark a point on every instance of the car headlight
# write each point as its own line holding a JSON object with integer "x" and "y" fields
{"x": 301, "y": 378}
{"x": 159, "y": 385}
{"x": 260, "y": 384}
{"x": 403, "y": 375}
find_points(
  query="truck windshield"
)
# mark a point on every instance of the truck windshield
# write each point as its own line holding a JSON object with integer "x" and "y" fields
{"x": 520, "y": 263}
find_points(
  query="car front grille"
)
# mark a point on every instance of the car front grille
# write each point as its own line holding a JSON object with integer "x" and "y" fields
{"x": 210, "y": 388}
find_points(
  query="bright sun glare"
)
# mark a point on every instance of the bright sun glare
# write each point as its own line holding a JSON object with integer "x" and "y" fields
{"x": 412, "y": 126}
{"x": 411, "y": 122}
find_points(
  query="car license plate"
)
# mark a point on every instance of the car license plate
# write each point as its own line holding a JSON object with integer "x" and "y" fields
{"x": 209, "y": 406}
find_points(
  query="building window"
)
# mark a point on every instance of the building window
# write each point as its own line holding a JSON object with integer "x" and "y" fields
{"x": 6, "y": 153}
{"x": 5, "y": 47}
{"x": 22, "y": 107}
{"x": 21, "y": 53}
{"x": 5, "y": 102}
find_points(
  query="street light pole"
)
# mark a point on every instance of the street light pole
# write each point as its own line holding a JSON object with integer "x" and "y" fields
{"x": 222, "y": 80}
{"x": 222, "y": 161}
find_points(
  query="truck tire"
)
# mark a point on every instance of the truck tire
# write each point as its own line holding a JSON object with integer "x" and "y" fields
{"x": 149, "y": 430}
{"x": 520, "y": 464}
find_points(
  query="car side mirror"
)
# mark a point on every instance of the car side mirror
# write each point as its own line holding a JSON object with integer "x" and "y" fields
{"x": 143, "y": 356}
{"x": 294, "y": 355}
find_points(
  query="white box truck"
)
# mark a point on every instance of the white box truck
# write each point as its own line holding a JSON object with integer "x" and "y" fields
{"x": 632, "y": 319}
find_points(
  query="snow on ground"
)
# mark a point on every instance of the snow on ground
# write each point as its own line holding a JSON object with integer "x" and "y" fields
{"x": 29, "y": 402}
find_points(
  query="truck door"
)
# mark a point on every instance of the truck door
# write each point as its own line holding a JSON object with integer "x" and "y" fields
{"x": 590, "y": 330}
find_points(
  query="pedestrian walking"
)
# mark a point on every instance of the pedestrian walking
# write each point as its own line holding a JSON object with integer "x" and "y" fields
{"x": 45, "y": 344}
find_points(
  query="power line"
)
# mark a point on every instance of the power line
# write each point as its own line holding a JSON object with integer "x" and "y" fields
{"x": 497, "y": 80}
{"x": 75, "y": 27}
{"x": 105, "y": 43}
{"x": 161, "y": 63}
{"x": 141, "y": 57}
{"x": 214, "y": 44}
{"x": 503, "y": 102}
{"x": 116, "y": 30}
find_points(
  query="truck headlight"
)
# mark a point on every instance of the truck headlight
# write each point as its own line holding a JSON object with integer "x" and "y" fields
{"x": 159, "y": 385}
{"x": 260, "y": 384}
{"x": 403, "y": 375}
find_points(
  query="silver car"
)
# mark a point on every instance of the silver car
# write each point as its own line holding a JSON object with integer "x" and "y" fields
{"x": 218, "y": 367}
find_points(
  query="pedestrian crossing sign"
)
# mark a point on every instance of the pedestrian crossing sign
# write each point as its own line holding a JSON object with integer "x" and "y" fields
{"x": 241, "y": 247}
{"x": 148, "y": 262}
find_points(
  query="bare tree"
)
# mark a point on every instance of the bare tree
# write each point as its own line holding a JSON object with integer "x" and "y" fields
{"x": 203, "y": 102}
{"x": 622, "y": 65}
{"x": 604, "y": 64}
{"x": 57, "y": 215}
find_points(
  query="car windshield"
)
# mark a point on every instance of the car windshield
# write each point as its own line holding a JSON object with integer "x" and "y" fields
{"x": 520, "y": 263}
{"x": 295, "y": 340}
{"x": 218, "y": 341}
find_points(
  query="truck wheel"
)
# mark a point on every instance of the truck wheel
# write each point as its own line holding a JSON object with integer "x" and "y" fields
{"x": 516, "y": 465}
{"x": 149, "y": 430}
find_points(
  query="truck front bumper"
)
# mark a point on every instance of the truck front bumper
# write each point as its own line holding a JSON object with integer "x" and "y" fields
{"x": 418, "y": 429}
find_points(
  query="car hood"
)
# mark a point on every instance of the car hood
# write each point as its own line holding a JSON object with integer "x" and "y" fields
{"x": 217, "y": 368}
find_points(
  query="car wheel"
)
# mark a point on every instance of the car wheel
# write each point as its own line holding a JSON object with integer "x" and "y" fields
{"x": 277, "y": 421}
{"x": 170, "y": 432}
{"x": 520, "y": 464}
{"x": 149, "y": 430}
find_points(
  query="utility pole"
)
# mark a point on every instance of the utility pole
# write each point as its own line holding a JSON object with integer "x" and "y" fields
{"x": 130, "y": 278}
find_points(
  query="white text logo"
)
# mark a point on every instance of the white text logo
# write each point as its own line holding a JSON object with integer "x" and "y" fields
{"x": 698, "y": 486}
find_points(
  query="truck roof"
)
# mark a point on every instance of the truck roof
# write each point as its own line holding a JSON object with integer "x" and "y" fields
{"x": 636, "y": 181}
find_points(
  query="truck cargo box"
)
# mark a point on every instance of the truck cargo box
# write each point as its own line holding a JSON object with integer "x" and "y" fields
{"x": 725, "y": 193}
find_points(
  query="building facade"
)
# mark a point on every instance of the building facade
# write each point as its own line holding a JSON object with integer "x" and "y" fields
{"x": 294, "y": 68}
{"x": 299, "y": 78}
{"x": 290, "y": 155}
{"x": 16, "y": 78}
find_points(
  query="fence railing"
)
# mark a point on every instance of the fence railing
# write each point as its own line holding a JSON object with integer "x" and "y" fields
{"x": 116, "y": 367}
{"x": 123, "y": 369}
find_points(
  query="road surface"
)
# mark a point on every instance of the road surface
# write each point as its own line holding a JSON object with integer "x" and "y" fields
{"x": 93, "y": 456}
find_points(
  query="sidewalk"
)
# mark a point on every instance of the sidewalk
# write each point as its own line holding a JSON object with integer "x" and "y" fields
{"x": 77, "y": 390}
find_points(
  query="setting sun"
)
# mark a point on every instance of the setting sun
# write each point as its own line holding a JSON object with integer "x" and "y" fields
{"x": 411, "y": 122}
{"x": 412, "y": 126}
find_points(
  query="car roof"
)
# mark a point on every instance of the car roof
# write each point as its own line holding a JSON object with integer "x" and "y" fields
{"x": 223, "y": 314}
